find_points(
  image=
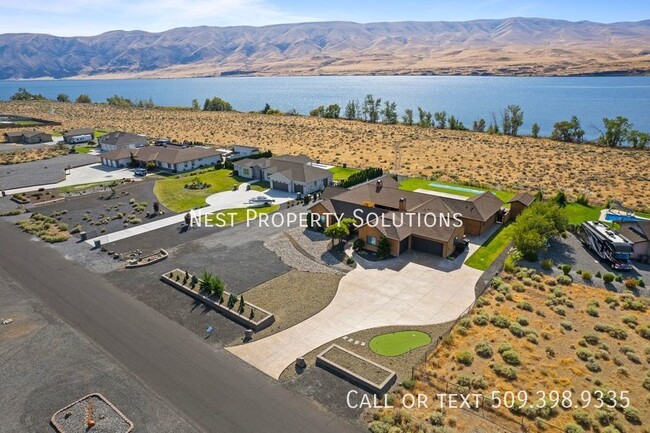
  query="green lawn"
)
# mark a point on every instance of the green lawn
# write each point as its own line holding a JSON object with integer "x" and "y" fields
{"x": 490, "y": 250}
{"x": 412, "y": 184}
{"x": 84, "y": 149}
{"x": 172, "y": 194}
{"x": 99, "y": 133}
{"x": 342, "y": 173}
{"x": 27, "y": 123}
{"x": 240, "y": 215}
{"x": 398, "y": 343}
{"x": 578, "y": 213}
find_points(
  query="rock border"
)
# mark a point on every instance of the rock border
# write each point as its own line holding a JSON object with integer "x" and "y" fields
{"x": 255, "y": 325}
{"x": 377, "y": 388}
{"x": 139, "y": 262}
{"x": 98, "y": 395}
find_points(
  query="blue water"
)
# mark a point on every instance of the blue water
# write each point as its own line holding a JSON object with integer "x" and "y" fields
{"x": 456, "y": 188}
{"x": 545, "y": 100}
{"x": 618, "y": 218}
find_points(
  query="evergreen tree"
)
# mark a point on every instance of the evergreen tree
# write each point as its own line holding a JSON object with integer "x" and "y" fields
{"x": 407, "y": 119}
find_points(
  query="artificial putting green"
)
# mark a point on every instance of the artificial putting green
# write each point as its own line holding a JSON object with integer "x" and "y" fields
{"x": 398, "y": 343}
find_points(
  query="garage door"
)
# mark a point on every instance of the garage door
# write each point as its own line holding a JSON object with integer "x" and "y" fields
{"x": 281, "y": 186}
{"x": 427, "y": 246}
{"x": 403, "y": 245}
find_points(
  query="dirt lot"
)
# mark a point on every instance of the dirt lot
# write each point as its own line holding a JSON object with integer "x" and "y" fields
{"x": 504, "y": 162}
{"x": 45, "y": 365}
{"x": 292, "y": 298}
{"x": 528, "y": 333}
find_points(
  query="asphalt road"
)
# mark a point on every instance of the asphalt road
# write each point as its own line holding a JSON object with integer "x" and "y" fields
{"x": 214, "y": 390}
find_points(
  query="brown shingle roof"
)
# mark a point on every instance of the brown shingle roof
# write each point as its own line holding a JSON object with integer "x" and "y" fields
{"x": 121, "y": 138}
{"x": 524, "y": 198}
{"x": 163, "y": 154}
{"x": 80, "y": 131}
{"x": 636, "y": 231}
{"x": 297, "y": 171}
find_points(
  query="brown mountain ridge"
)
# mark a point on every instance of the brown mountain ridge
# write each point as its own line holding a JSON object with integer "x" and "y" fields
{"x": 514, "y": 46}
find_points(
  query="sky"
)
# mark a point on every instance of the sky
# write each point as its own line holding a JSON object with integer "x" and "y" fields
{"x": 91, "y": 17}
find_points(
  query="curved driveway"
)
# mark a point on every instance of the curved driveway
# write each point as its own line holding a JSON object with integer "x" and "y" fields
{"x": 424, "y": 291}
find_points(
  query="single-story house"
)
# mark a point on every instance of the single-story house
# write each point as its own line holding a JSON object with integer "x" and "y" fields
{"x": 406, "y": 218}
{"x": 292, "y": 173}
{"x": 638, "y": 232}
{"x": 519, "y": 203}
{"x": 240, "y": 150}
{"x": 81, "y": 135}
{"x": 27, "y": 137}
{"x": 176, "y": 159}
{"x": 121, "y": 140}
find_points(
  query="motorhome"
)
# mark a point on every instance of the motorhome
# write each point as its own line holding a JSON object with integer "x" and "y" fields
{"x": 607, "y": 244}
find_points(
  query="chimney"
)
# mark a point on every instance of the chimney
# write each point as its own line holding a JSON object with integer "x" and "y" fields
{"x": 379, "y": 185}
{"x": 402, "y": 204}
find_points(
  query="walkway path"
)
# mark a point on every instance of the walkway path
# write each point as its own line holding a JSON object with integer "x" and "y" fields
{"x": 216, "y": 202}
{"x": 413, "y": 289}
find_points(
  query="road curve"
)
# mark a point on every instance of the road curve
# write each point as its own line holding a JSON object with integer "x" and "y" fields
{"x": 214, "y": 390}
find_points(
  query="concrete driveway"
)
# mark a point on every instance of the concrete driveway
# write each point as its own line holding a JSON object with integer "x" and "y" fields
{"x": 239, "y": 198}
{"x": 87, "y": 174}
{"x": 413, "y": 289}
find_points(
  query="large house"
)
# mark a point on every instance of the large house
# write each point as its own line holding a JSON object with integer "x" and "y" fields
{"x": 292, "y": 173}
{"x": 173, "y": 159}
{"x": 27, "y": 137}
{"x": 121, "y": 140}
{"x": 81, "y": 135}
{"x": 638, "y": 232}
{"x": 406, "y": 218}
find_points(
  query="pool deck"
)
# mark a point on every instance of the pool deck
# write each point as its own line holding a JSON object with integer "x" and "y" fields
{"x": 624, "y": 215}
{"x": 441, "y": 194}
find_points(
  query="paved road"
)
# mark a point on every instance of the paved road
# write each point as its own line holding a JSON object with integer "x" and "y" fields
{"x": 211, "y": 387}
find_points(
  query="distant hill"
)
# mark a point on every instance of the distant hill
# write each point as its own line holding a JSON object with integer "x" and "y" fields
{"x": 514, "y": 46}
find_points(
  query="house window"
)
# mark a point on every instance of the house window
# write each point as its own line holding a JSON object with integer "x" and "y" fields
{"x": 371, "y": 240}
{"x": 247, "y": 171}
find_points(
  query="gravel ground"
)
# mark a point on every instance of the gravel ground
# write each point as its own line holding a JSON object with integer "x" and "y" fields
{"x": 107, "y": 420}
{"x": 283, "y": 247}
{"x": 318, "y": 246}
{"x": 46, "y": 365}
{"x": 292, "y": 298}
{"x": 571, "y": 251}
{"x": 41, "y": 172}
{"x": 97, "y": 205}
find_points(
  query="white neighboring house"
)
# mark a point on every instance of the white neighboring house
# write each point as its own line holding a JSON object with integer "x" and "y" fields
{"x": 121, "y": 140}
{"x": 175, "y": 160}
{"x": 240, "y": 151}
{"x": 285, "y": 173}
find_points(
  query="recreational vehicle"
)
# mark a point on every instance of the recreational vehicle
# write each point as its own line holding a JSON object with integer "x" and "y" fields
{"x": 607, "y": 244}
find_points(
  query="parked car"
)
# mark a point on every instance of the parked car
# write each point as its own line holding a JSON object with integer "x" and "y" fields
{"x": 140, "y": 172}
{"x": 261, "y": 199}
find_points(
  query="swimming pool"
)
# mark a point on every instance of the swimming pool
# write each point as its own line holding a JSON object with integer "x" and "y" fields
{"x": 618, "y": 218}
{"x": 456, "y": 188}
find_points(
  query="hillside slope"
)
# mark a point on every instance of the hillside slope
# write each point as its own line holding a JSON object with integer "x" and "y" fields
{"x": 514, "y": 46}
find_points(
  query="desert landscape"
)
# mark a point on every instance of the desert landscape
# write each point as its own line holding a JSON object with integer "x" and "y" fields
{"x": 501, "y": 162}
